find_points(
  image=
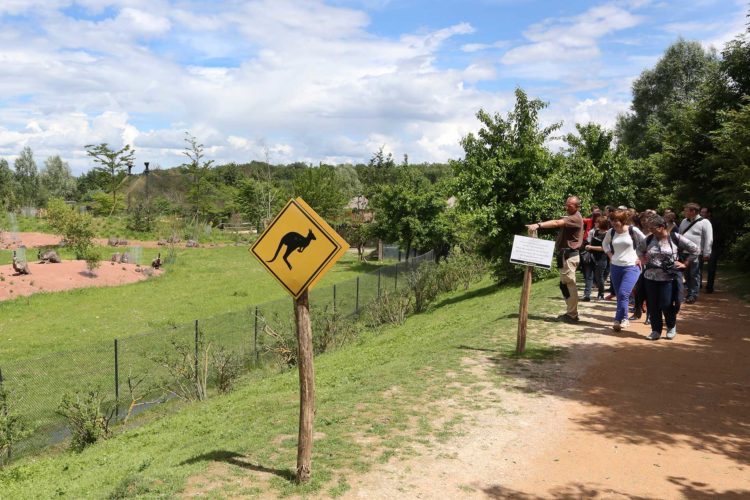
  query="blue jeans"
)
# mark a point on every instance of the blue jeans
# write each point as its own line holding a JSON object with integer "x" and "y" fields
{"x": 623, "y": 280}
{"x": 694, "y": 277}
{"x": 594, "y": 273}
{"x": 663, "y": 300}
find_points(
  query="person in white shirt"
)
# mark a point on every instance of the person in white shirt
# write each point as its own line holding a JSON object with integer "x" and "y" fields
{"x": 699, "y": 231}
{"x": 620, "y": 243}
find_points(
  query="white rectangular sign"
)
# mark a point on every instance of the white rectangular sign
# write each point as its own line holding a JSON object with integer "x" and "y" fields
{"x": 532, "y": 252}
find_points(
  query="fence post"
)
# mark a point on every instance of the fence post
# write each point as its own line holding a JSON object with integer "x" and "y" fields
{"x": 334, "y": 298}
{"x": 395, "y": 281}
{"x": 196, "y": 351}
{"x": 255, "y": 339}
{"x": 379, "y": 283}
{"x": 399, "y": 255}
{"x": 356, "y": 301}
{"x": 5, "y": 413}
{"x": 117, "y": 381}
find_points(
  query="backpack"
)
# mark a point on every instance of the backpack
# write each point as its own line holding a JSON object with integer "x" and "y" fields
{"x": 632, "y": 237}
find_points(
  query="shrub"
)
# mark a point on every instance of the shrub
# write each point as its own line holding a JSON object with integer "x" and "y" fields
{"x": 12, "y": 427}
{"x": 226, "y": 366}
{"x": 86, "y": 417}
{"x": 392, "y": 308}
{"x": 188, "y": 376}
{"x": 330, "y": 330}
{"x": 424, "y": 286}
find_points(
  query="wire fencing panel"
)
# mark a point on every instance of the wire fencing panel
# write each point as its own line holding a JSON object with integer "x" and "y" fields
{"x": 136, "y": 372}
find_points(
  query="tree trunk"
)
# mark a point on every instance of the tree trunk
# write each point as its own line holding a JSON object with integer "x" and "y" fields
{"x": 306, "y": 387}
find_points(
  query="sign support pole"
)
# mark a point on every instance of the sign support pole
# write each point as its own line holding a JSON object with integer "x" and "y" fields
{"x": 523, "y": 309}
{"x": 306, "y": 387}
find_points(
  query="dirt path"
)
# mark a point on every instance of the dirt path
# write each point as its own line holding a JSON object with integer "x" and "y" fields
{"x": 618, "y": 417}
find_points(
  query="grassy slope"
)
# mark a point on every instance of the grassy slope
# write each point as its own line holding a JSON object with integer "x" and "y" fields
{"x": 204, "y": 282}
{"x": 257, "y": 423}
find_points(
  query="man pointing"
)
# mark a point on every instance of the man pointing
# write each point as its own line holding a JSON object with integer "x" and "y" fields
{"x": 568, "y": 243}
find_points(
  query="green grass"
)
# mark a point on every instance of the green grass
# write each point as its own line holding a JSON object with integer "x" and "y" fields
{"x": 376, "y": 400}
{"x": 203, "y": 283}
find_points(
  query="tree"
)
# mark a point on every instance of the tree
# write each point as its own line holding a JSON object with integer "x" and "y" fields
{"x": 380, "y": 170}
{"x": 596, "y": 171}
{"x": 116, "y": 164}
{"x": 503, "y": 180}
{"x": 197, "y": 170}
{"x": 7, "y": 191}
{"x": 27, "y": 178}
{"x": 249, "y": 200}
{"x": 407, "y": 211}
{"x": 322, "y": 189}
{"x": 675, "y": 81}
{"x": 75, "y": 227}
{"x": 56, "y": 178}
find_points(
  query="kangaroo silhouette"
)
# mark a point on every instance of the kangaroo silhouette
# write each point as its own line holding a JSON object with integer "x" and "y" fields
{"x": 293, "y": 241}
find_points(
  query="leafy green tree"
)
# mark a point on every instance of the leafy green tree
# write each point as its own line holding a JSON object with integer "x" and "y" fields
{"x": 503, "y": 180}
{"x": 56, "y": 178}
{"x": 7, "y": 184}
{"x": 595, "y": 170}
{"x": 249, "y": 200}
{"x": 197, "y": 169}
{"x": 380, "y": 170}
{"x": 407, "y": 211}
{"x": 322, "y": 189}
{"x": 658, "y": 93}
{"x": 116, "y": 164}
{"x": 349, "y": 179}
{"x": 75, "y": 227}
{"x": 27, "y": 178}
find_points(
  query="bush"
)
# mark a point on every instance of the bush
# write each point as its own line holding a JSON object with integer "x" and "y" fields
{"x": 140, "y": 220}
{"x": 76, "y": 228}
{"x": 460, "y": 269}
{"x": 330, "y": 330}
{"x": 226, "y": 366}
{"x": 424, "y": 286}
{"x": 12, "y": 428}
{"x": 188, "y": 376}
{"x": 86, "y": 417}
{"x": 392, "y": 308}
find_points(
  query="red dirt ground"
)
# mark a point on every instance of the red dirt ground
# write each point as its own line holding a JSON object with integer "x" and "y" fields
{"x": 65, "y": 276}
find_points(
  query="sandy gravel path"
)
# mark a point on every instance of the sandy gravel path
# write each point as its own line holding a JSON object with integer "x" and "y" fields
{"x": 618, "y": 417}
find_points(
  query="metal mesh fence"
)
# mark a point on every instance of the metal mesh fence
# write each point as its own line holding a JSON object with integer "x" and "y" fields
{"x": 133, "y": 373}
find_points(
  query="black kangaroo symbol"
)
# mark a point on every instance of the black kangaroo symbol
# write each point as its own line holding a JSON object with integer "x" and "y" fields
{"x": 293, "y": 241}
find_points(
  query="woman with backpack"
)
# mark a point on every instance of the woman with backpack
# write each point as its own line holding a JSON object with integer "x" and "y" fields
{"x": 594, "y": 272}
{"x": 620, "y": 243}
{"x": 663, "y": 275}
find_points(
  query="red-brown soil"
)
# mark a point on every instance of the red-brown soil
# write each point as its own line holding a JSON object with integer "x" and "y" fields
{"x": 65, "y": 276}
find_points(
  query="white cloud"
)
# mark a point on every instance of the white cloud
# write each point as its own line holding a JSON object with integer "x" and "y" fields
{"x": 556, "y": 43}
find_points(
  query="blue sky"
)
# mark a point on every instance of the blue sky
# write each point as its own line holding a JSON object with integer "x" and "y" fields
{"x": 319, "y": 81}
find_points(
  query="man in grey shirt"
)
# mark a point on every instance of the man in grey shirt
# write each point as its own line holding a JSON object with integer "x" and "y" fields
{"x": 699, "y": 231}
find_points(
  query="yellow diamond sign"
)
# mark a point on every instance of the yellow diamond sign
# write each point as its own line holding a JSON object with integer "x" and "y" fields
{"x": 298, "y": 247}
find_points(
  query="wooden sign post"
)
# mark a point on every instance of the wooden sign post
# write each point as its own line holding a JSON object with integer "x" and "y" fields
{"x": 298, "y": 247}
{"x": 529, "y": 252}
{"x": 306, "y": 386}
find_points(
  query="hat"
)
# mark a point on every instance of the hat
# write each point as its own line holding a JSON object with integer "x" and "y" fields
{"x": 622, "y": 207}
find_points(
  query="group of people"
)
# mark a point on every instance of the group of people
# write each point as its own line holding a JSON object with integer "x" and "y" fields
{"x": 648, "y": 257}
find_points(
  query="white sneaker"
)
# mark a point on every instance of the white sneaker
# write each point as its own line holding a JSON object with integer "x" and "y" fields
{"x": 624, "y": 323}
{"x": 672, "y": 332}
{"x": 617, "y": 326}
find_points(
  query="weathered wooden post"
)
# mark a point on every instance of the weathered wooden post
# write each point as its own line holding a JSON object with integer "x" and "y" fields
{"x": 306, "y": 387}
